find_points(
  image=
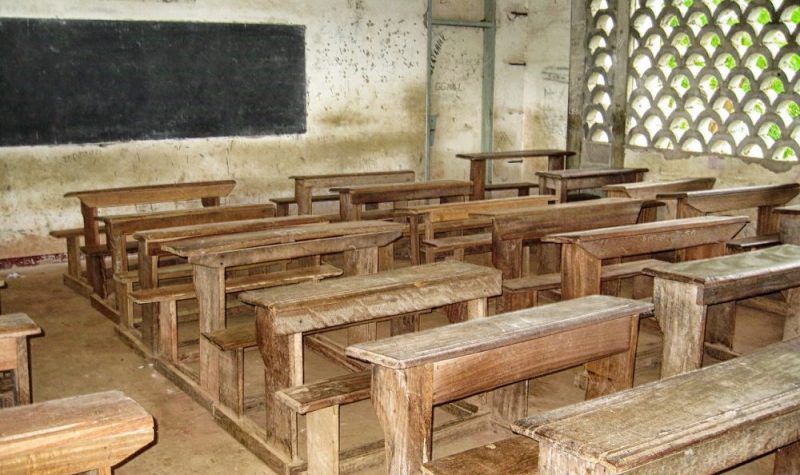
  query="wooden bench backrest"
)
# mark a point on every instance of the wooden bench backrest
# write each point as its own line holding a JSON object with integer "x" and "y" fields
{"x": 534, "y": 223}
{"x": 731, "y": 199}
{"x": 699, "y": 422}
{"x": 112, "y": 197}
{"x": 485, "y": 353}
{"x": 313, "y": 306}
{"x": 458, "y": 211}
{"x": 73, "y": 435}
{"x": 650, "y": 189}
{"x": 649, "y": 238}
{"x": 155, "y": 238}
{"x": 357, "y": 178}
{"x": 366, "y": 194}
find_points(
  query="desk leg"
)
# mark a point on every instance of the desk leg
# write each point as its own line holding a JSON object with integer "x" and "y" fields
{"x": 562, "y": 191}
{"x": 613, "y": 373}
{"x": 302, "y": 195}
{"x": 683, "y": 322}
{"x": 403, "y": 401}
{"x": 148, "y": 279}
{"x": 209, "y": 284}
{"x": 22, "y": 377}
{"x": 580, "y": 272}
{"x": 361, "y": 262}
{"x": 413, "y": 240}
{"x": 91, "y": 237}
{"x": 507, "y": 256}
{"x": 789, "y": 231}
{"x": 556, "y": 162}
{"x": 347, "y": 210}
{"x": 283, "y": 362}
{"x": 477, "y": 175}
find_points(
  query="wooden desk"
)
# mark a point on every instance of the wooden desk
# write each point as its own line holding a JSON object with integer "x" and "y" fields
{"x": 684, "y": 292}
{"x": 561, "y": 181}
{"x": 458, "y": 217}
{"x": 89, "y": 433}
{"x": 411, "y": 373}
{"x": 150, "y": 249}
{"x": 556, "y": 160}
{"x": 512, "y": 229}
{"x": 304, "y": 184}
{"x": 210, "y": 256}
{"x": 764, "y": 198}
{"x": 209, "y": 192}
{"x": 352, "y": 198}
{"x": 15, "y": 328}
{"x": 703, "y": 421}
{"x": 649, "y": 190}
{"x": 285, "y": 314}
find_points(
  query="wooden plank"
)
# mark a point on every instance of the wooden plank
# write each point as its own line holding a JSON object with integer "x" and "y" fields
{"x": 728, "y": 199}
{"x": 346, "y": 300}
{"x": 363, "y": 194}
{"x": 648, "y": 190}
{"x": 439, "y": 344}
{"x": 698, "y": 422}
{"x": 648, "y": 238}
{"x": 111, "y": 197}
{"x": 737, "y": 276}
{"x": 454, "y": 211}
{"x": 18, "y": 325}
{"x": 513, "y": 456}
{"x": 74, "y": 434}
{"x": 130, "y": 223}
{"x": 335, "y": 391}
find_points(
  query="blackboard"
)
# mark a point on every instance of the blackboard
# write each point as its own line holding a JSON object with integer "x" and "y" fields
{"x": 83, "y": 81}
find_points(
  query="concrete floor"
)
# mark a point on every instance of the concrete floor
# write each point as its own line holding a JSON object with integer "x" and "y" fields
{"x": 80, "y": 353}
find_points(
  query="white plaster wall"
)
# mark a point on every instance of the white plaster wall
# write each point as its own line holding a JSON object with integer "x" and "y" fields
{"x": 366, "y": 74}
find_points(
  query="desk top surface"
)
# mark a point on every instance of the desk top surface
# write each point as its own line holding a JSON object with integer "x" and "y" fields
{"x": 590, "y": 172}
{"x": 515, "y": 154}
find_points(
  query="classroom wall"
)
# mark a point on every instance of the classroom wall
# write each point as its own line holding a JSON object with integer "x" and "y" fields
{"x": 366, "y": 70}
{"x": 366, "y": 73}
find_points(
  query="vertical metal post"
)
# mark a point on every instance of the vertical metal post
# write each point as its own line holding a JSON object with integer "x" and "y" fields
{"x": 487, "y": 93}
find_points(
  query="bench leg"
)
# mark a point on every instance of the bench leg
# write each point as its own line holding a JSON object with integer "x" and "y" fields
{"x": 683, "y": 322}
{"x": 124, "y": 303}
{"x": 167, "y": 330}
{"x": 74, "y": 256}
{"x": 22, "y": 377}
{"x": 231, "y": 380}
{"x": 511, "y": 301}
{"x": 720, "y": 326}
{"x": 404, "y": 324}
{"x": 458, "y": 255}
{"x": 787, "y": 460}
{"x": 361, "y": 262}
{"x": 642, "y": 287}
{"x": 403, "y": 401}
{"x": 614, "y": 373}
{"x": 386, "y": 258}
{"x": 322, "y": 428}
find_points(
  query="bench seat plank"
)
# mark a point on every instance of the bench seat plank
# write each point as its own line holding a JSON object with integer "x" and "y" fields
{"x": 327, "y": 304}
{"x": 553, "y": 280}
{"x": 481, "y": 335}
{"x": 698, "y": 422}
{"x": 318, "y": 395}
{"x": 72, "y": 435}
{"x": 513, "y": 456}
{"x": 459, "y": 242}
{"x": 383, "y": 193}
{"x": 754, "y": 242}
{"x": 237, "y": 284}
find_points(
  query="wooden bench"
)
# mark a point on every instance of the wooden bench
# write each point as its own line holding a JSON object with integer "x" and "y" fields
{"x": 74, "y": 278}
{"x": 512, "y": 231}
{"x": 73, "y": 435}
{"x": 559, "y": 182}
{"x": 703, "y": 421}
{"x": 285, "y": 315}
{"x": 353, "y": 198}
{"x": 304, "y": 186}
{"x": 208, "y": 192}
{"x": 649, "y": 190}
{"x": 685, "y": 293}
{"x": 764, "y": 198}
{"x": 119, "y": 227}
{"x": 210, "y": 257}
{"x": 412, "y": 373}
{"x": 15, "y": 328}
{"x": 150, "y": 274}
{"x": 455, "y": 217}
{"x": 524, "y": 292}
{"x": 556, "y": 160}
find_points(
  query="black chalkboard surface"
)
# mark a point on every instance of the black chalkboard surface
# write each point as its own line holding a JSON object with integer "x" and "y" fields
{"x": 79, "y": 81}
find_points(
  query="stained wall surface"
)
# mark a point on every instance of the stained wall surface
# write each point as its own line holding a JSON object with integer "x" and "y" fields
{"x": 366, "y": 73}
